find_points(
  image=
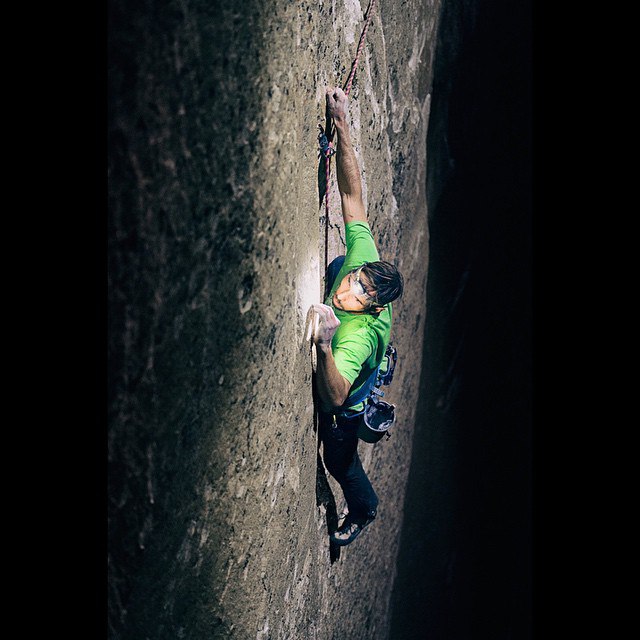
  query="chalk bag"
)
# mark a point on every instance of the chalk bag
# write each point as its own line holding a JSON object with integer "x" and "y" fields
{"x": 379, "y": 416}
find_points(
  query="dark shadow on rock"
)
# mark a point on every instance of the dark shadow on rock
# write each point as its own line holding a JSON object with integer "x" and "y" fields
{"x": 322, "y": 162}
{"x": 322, "y": 180}
{"x": 315, "y": 402}
{"x": 324, "y": 496}
{"x": 464, "y": 561}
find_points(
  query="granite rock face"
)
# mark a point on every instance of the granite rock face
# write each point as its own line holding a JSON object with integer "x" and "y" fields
{"x": 219, "y": 508}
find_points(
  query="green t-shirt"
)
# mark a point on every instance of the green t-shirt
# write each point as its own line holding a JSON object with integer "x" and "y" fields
{"x": 360, "y": 342}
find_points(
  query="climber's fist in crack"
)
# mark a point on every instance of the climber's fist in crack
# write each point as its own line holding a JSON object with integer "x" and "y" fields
{"x": 337, "y": 103}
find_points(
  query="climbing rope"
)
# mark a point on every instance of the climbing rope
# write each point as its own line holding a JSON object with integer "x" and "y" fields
{"x": 367, "y": 20}
{"x": 325, "y": 138}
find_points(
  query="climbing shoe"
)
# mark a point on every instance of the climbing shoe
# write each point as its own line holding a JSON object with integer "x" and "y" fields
{"x": 348, "y": 532}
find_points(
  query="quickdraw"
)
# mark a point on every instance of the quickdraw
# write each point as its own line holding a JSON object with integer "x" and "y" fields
{"x": 326, "y": 148}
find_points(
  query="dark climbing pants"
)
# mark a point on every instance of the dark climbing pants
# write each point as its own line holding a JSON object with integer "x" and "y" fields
{"x": 340, "y": 456}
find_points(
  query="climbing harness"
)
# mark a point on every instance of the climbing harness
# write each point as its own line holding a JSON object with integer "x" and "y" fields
{"x": 325, "y": 138}
{"x": 378, "y": 416}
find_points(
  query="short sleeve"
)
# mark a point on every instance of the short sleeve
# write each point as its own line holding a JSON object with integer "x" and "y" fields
{"x": 361, "y": 246}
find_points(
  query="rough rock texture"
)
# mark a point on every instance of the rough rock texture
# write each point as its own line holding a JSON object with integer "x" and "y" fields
{"x": 218, "y": 507}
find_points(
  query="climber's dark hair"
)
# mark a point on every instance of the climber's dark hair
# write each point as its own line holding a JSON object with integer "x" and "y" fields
{"x": 385, "y": 280}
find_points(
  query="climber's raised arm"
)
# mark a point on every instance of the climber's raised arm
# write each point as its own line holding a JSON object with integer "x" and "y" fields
{"x": 349, "y": 180}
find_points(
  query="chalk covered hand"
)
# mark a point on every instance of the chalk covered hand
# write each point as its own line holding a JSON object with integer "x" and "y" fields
{"x": 326, "y": 325}
{"x": 337, "y": 103}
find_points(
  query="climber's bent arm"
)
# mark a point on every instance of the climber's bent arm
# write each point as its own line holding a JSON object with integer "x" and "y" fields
{"x": 332, "y": 388}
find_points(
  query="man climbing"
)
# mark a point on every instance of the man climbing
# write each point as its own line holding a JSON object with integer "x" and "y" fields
{"x": 352, "y": 335}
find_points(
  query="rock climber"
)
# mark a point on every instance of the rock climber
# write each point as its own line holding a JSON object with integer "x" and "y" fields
{"x": 352, "y": 334}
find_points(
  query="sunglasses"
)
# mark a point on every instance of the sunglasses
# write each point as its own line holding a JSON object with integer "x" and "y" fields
{"x": 357, "y": 288}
